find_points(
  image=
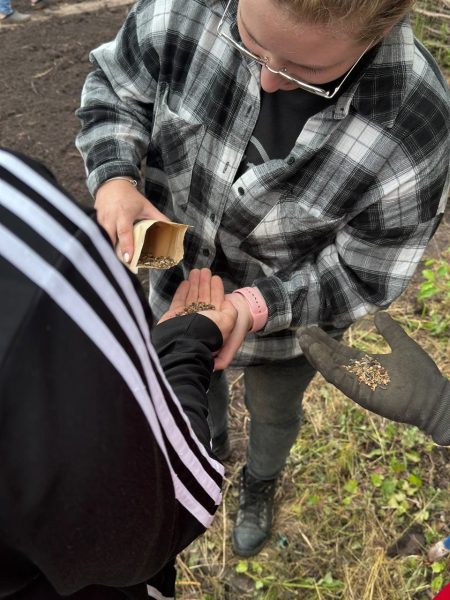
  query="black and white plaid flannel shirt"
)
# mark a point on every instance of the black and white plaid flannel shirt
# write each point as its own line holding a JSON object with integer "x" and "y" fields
{"x": 328, "y": 234}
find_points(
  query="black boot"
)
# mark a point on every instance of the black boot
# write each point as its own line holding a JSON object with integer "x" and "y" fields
{"x": 254, "y": 516}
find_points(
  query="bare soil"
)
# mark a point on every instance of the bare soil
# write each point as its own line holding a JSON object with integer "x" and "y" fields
{"x": 43, "y": 66}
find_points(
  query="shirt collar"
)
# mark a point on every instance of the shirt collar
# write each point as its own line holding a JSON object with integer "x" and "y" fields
{"x": 380, "y": 90}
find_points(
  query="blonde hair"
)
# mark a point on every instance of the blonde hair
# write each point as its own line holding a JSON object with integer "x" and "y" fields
{"x": 370, "y": 18}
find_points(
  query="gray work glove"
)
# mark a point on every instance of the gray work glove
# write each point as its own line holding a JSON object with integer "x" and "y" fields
{"x": 417, "y": 393}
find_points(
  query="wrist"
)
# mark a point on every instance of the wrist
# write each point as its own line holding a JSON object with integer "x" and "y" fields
{"x": 257, "y": 306}
{"x": 119, "y": 180}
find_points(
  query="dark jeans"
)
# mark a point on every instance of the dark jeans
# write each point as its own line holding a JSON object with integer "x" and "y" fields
{"x": 273, "y": 397}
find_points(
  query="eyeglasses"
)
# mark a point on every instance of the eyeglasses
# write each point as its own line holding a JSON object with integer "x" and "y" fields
{"x": 307, "y": 87}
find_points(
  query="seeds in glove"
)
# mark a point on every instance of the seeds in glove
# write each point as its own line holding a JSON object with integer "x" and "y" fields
{"x": 369, "y": 371}
{"x": 195, "y": 307}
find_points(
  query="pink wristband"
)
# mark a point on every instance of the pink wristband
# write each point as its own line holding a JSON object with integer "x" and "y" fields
{"x": 257, "y": 304}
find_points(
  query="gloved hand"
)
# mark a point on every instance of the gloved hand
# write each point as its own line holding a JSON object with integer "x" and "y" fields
{"x": 417, "y": 393}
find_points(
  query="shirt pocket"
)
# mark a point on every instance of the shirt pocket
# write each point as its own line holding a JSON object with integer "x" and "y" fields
{"x": 174, "y": 147}
{"x": 288, "y": 235}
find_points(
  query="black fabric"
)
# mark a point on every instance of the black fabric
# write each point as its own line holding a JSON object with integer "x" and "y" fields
{"x": 283, "y": 115}
{"x": 183, "y": 364}
{"x": 87, "y": 509}
{"x": 40, "y": 589}
{"x": 439, "y": 427}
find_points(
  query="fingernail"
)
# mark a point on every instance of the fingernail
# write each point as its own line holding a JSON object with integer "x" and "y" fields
{"x": 126, "y": 257}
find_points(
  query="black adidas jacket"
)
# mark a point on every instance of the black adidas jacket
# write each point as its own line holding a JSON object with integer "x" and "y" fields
{"x": 105, "y": 468}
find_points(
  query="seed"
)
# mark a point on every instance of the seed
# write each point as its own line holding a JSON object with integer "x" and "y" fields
{"x": 369, "y": 371}
{"x": 195, "y": 307}
{"x": 149, "y": 261}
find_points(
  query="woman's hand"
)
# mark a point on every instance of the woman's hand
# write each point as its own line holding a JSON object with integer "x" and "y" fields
{"x": 242, "y": 327}
{"x": 119, "y": 205}
{"x": 203, "y": 287}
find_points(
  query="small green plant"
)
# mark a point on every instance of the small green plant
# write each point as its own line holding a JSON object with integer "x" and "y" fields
{"x": 436, "y": 278}
{"x": 434, "y": 294}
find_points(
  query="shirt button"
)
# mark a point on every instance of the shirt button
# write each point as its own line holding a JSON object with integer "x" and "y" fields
{"x": 213, "y": 217}
{"x": 291, "y": 160}
{"x": 205, "y": 252}
{"x": 241, "y": 191}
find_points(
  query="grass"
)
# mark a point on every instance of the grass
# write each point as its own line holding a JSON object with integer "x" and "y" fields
{"x": 354, "y": 482}
{"x": 434, "y": 30}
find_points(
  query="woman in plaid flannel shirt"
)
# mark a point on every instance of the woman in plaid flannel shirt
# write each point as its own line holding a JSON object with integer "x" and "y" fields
{"x": 307, "y": 144}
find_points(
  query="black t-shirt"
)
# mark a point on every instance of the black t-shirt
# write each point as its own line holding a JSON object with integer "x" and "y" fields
{"x": 283, "y": 115}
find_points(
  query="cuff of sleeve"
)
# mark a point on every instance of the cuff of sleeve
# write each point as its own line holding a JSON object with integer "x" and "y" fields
{"x": 278, "y": 303}
{"x": 257, "y": 305}
{"x": 195, "y": 326}
{"x": 115, "y": 168}
{"x": 439, "y": 428}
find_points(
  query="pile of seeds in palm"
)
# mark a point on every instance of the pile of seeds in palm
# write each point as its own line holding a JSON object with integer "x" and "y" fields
{"x": 195, "y": 307}
{"x": 369, "y": 371}
{"x": 155, "y": 262}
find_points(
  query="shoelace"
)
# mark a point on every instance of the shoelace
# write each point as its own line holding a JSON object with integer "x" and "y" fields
{"x": 256, "y": 492}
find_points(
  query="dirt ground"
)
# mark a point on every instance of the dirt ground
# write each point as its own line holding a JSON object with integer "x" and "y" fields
{"x": 43, "y": 66}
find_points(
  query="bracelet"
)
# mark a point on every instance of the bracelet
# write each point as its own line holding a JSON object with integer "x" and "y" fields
{"x": 257, "y": 305}
{"x": 132, "y": 181}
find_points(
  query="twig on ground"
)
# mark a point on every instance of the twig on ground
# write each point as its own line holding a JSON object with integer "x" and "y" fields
{"x": 433, "y": 15}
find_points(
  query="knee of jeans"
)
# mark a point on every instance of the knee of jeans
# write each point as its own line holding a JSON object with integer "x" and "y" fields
{"x": 273, "y": 415}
